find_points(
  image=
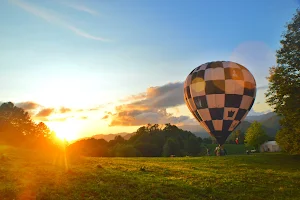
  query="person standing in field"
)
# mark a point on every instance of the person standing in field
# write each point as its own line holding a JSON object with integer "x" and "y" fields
{"x": 207, "y": 151}
{"x": 223, "y": 151}
{"x": 218, "y": 150}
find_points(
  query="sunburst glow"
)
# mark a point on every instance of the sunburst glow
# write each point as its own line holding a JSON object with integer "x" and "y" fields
{"x": 67, "y": 130}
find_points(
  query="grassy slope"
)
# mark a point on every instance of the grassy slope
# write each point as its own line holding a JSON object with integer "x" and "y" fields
{"x": 259, "y": 176}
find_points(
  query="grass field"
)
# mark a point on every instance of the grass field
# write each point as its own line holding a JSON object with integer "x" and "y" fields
{"x": 30, "y": 175}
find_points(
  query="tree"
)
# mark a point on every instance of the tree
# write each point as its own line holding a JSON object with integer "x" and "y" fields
{"x": 125, "y": 150}
{"x": 192, "y": 145}
{"x": 148, "y": 149}
{"x": 171, "y": 147}
{"x": 255, "y": 135}
{"x": 207, "y": 140}
{"x": 234, "y": 135}
{"x": 17, "y": 128}
{"x": 15, "y": 120}
{"x": 117, "y": 140}
{"x": 16, "y": 125}
{"x": 149, "y": 141}
{"x": 284, "y": 86}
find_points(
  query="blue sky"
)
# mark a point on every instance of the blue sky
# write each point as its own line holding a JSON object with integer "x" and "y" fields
{"x": 84, "y": 54}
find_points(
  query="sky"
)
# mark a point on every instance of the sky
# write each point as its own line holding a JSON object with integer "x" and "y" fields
{"x": 99, "y": 67}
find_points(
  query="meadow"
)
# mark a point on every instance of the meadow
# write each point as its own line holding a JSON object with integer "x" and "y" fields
{"x": 25, "y": 174}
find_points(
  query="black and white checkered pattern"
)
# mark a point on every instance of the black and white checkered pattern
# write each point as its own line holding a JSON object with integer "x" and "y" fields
{"x": 219, "y": 95}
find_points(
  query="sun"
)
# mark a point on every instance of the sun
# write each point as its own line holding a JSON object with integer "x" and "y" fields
{"x": 67, "y": 130}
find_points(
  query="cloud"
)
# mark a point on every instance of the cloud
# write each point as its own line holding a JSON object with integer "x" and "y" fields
{"x": 54, "y": 19}
{"x": 165, "y": 96}
{"x": 150, "y": 107}
{"x": 105, "y": 117}
{"x": 262, "y": 87}
{"x": 64, "y": 110}
{"x": 28, "y": 105}
{"x": 94, "y": 108}
{"x": 45, "y": 112}
{"x": 136, "y": 118}
{"x": 62, "y": 119}
{"x": 252, "y": 112}
{"x": 133, "y": 97}
{"x": 81, "y": 7}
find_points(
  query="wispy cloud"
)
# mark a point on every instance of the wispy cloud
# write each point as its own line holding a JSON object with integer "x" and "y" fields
{"x": 54, "y": 19}
{"x": 82, "y": 8}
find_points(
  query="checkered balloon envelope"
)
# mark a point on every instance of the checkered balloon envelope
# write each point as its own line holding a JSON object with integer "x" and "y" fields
{"x": 219, "y": 95}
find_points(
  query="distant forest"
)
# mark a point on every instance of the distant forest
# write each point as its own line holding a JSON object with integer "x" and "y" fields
{"x": 153, "y": 140}
{"x": 148, "y": 141}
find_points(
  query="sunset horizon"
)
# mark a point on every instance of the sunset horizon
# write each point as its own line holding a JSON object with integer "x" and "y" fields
{"x": 82, "y": 73}
{"x": 149, "y": 99}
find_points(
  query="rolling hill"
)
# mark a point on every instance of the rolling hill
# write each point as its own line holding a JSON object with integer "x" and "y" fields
{"x": 260, "y": 118}
{"x": 269, "y": 121}
{"x": 109, "y": 137}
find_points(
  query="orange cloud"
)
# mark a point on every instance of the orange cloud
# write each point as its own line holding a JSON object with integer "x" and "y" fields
{"x": 150, "y": 107}
{"x": 28, "y": 105}
{"x": 45, "y": 112}
{"x": 105, "y": 117}
{"x": 64, "y": 110}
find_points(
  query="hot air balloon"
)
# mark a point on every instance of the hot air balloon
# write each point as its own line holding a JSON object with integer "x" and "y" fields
{"x": 220, "y": 94}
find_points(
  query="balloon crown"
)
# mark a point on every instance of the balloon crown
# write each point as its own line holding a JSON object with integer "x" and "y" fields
{"x": 230, "y": 113}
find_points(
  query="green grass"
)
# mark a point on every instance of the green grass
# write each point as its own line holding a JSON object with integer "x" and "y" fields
{"x": 28, "y": 175}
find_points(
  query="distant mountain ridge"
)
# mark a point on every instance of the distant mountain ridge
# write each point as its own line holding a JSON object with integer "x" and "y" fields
{"x": 112, "y": 136}
{"x": 269, "y": 121}
{"x": 260, "y": 118}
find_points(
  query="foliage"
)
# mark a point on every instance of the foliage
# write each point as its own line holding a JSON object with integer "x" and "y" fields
{"x": 149, "y": 141}
{"x": 236, "y": 134}
{"x": 89, "y": 147}
{"x": 171, "y": 147}
{"x": 207, "y": 140}
{"x": 17, "y": 128}
{"x": 255, "y": 135}
{"x": 32, "y": 175}
{"x": 125, "y": 150}
{"x": 284, "y": 86}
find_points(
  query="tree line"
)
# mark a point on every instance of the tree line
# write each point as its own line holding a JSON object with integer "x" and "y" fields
{"x": 151, "y": 140}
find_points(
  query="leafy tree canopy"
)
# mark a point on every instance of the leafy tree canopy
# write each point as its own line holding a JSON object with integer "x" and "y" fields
{"x": 284, "y": 86}
{"x": 255, "y": 135}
